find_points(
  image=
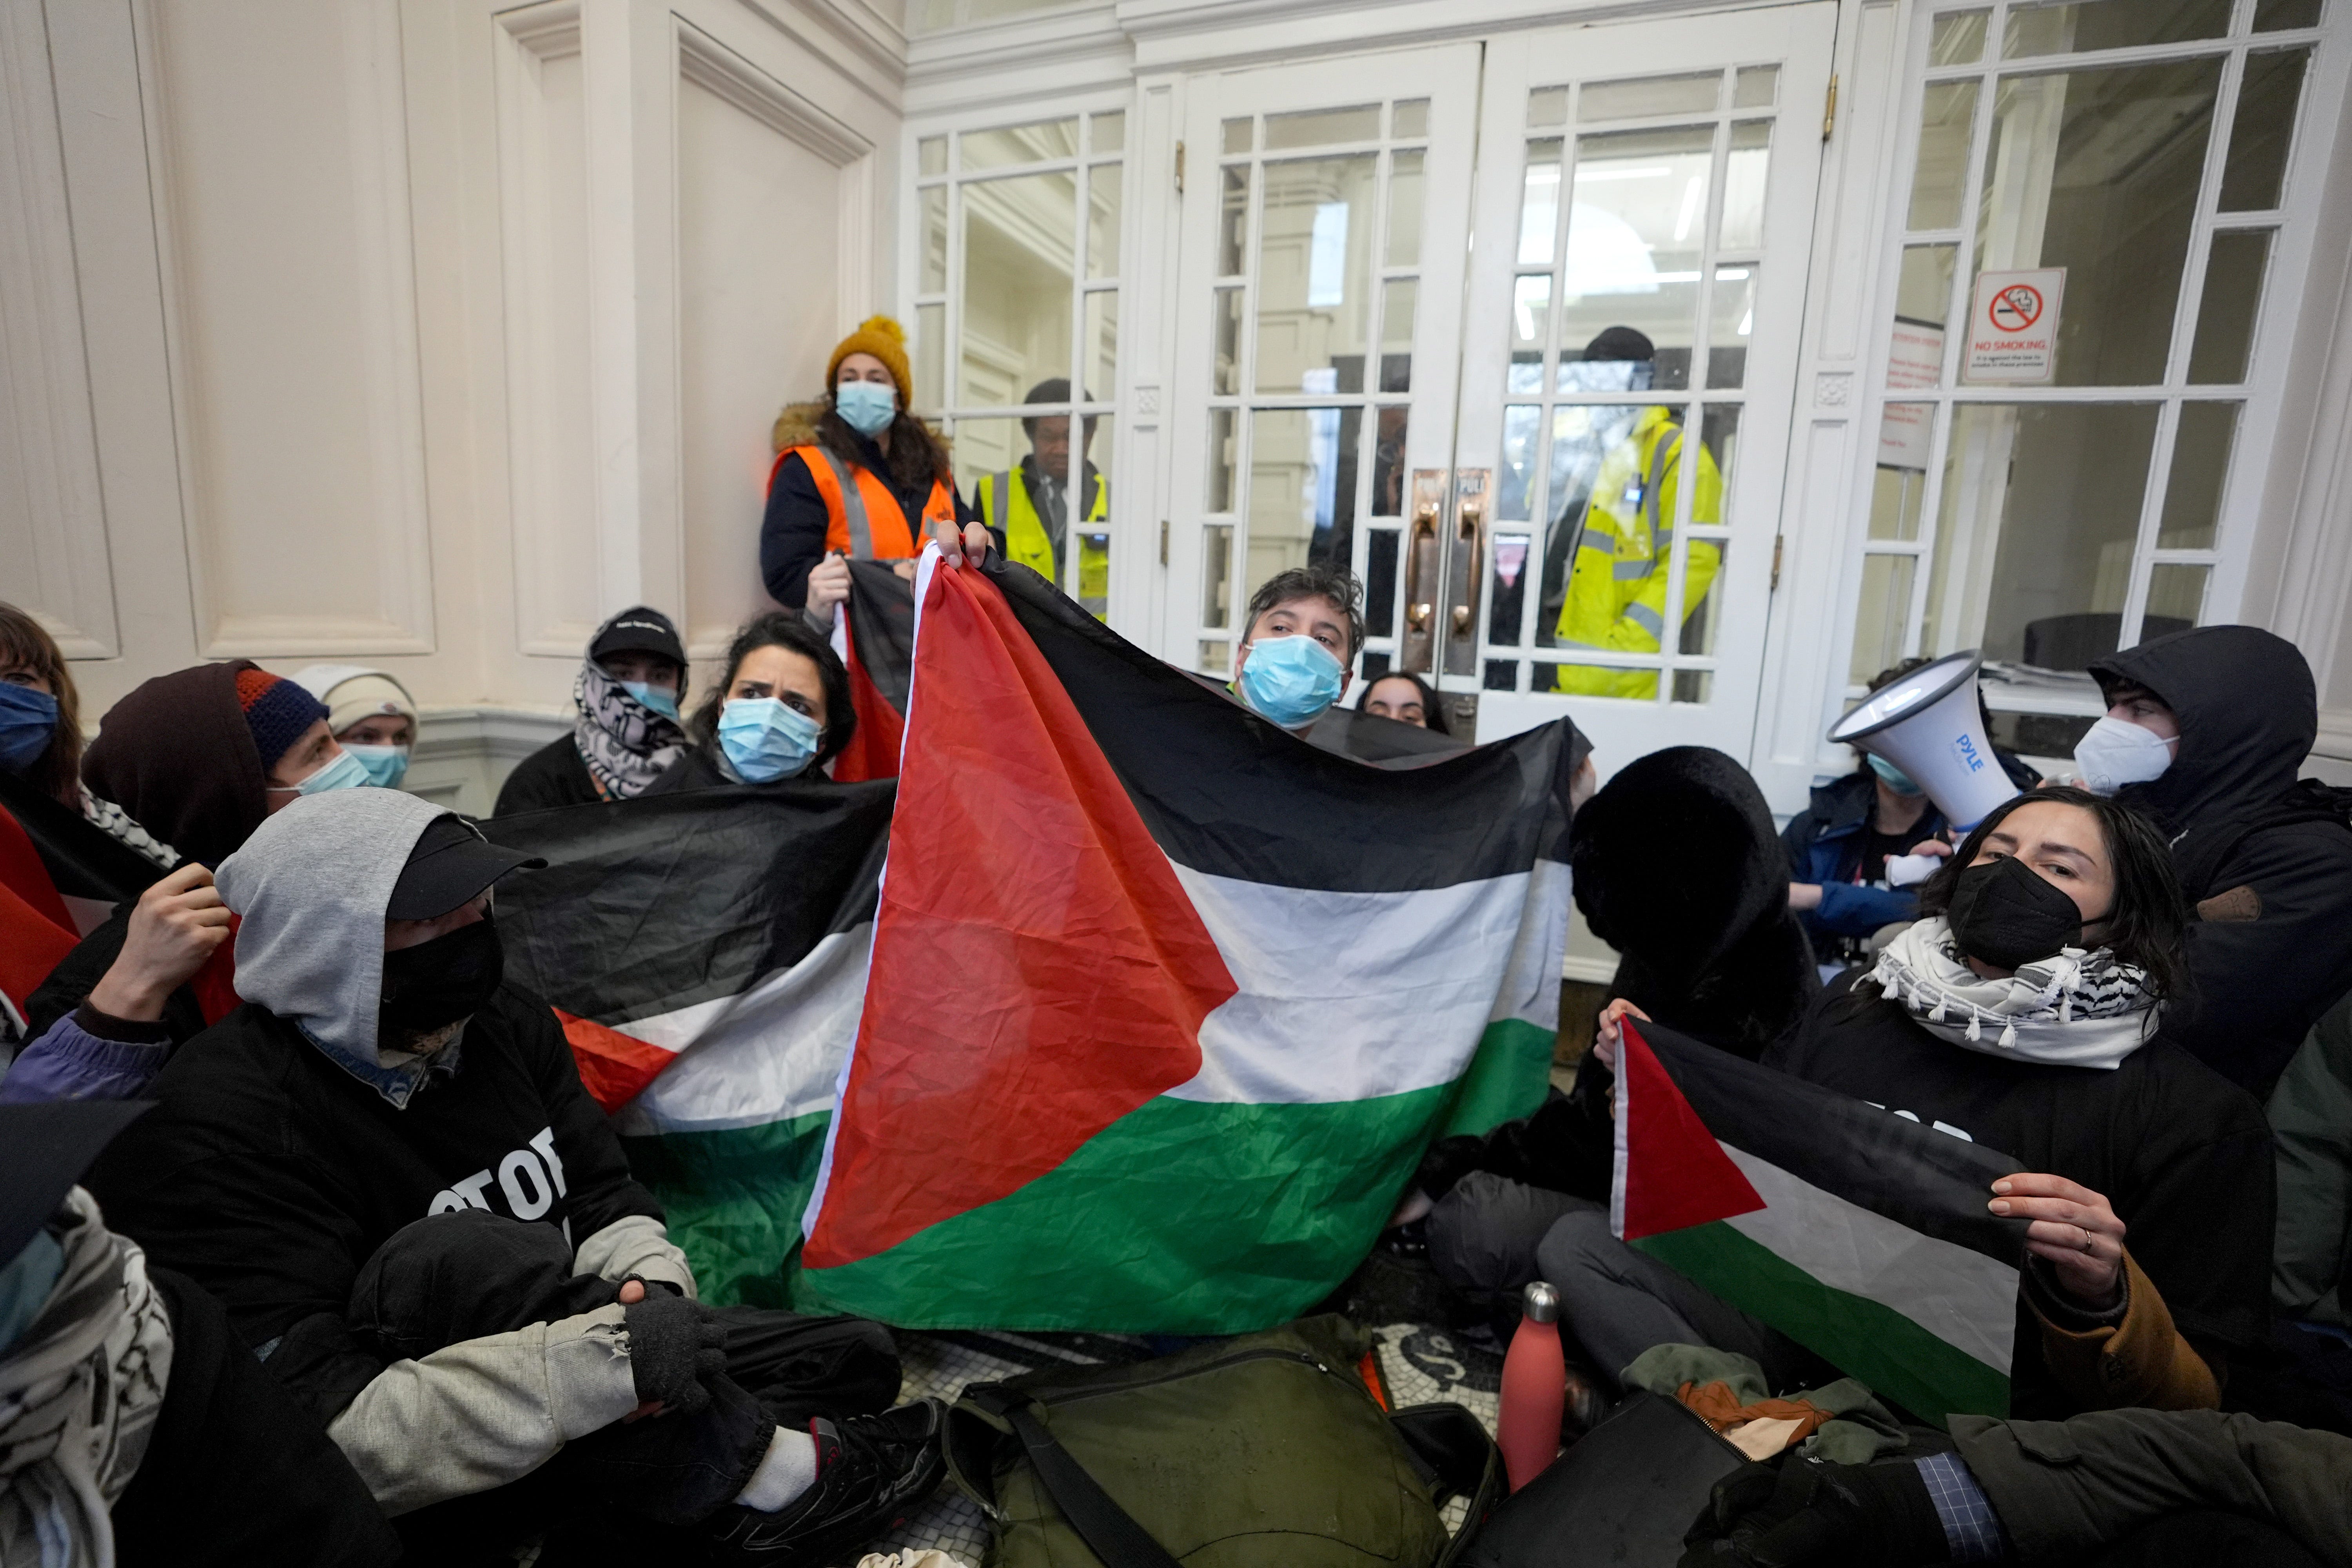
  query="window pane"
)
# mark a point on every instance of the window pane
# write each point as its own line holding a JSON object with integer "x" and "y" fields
{"x": 1388, "y": 460}
{"x": 1522, "y": 424}
{"x": 1502, "y": 673}
{"x": 930, "y": 355}
{"x": 932, "y": 156}
{"x": 1217, "y": 577}
{"x": 1019, "y": 145}
{"x": 1216, "y": 658}
{"x": 1546, "y": 106}
{"x": 1102, "y": 451}
{"x": 1507, "y": 593}
{"x": 1939, "y": 179}
{"x": 1302, "y": 488}
{"x": 1227, "y": 314}
{"x": 1016, "y": 331}
{"x": 1958, "y": 38}
{"x": 1692, "y": 684}
{"x": 2034, "y": 533}
{"x": 985, "y": 447}
{"x": 1649, "y": 95}
{"x": 1581, "y": 437}
{"x": 1540, "y": 204}
{"x": 1635, "y": 226}
{"x": 1313, "y": 300}
{"x": 2200, "y": 463}
{"x": 1397, "y": 298}
{"x": 2098, "y": 172}
{"x": 1102, "y": 182}
{"x": 1405, "y": 209}
{"x": 1410, "y": 118}
{"x": 1922, "y": 290}
{"x": 1098, "y": 357}
{"x": 1731, "y": 319}
{"x": 1321, "y": 127}
{"x": 1745, "y": 170}
{"x": 1381, "y": 587}
{"x": 1110, "y": 131}
{"x": 1530, "y": 316}
{"x": 2227, "y": 309}
{"x": 1221, "y": 462}
{"x": 1240, "y": 135}
{"x": 1896, "y": 493}
{"x": 1881, "y": 616}
{"x": 2272, "y": 16}
{"x": 1756, "y": 86}
{"x": 2109, "y": 25}
{"x": 1232, "y": 221}
{"x": 2176, "y": 599}
{"x": 2263, "y": 130}
{"x": 935, "y": 240}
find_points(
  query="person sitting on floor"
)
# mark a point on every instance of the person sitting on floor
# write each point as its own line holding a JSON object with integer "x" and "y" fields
{"x": 781, "y": 711}
{"x": 40, "y": 731}
{"x": 372, "y": 714}
{"x": 626, "y": 734}
{"x": 386, "y": 1167}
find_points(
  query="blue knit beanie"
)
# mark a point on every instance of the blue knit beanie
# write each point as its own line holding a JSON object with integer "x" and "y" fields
{"x": 276, "y": 711}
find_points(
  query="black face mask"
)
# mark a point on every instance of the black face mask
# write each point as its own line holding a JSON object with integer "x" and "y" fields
{"x": 2005, "y": 914}
{"x": 440, "y": 982}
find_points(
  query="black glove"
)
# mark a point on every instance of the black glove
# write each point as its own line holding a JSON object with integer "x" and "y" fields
{"x": 1799, "y": 1511}
{"x": 675, "y": 1346}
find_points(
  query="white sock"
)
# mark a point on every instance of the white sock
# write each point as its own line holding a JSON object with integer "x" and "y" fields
{"x": 788, "y": 1469}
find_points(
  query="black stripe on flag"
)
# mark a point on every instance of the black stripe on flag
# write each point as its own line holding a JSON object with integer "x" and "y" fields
{"x": 654, "y": 904}
{"x": 84, "y": 860}
{"x": 1932, "y": 1182}
{"x": 1228, "y": 793}
{"x": 881, "y": 608}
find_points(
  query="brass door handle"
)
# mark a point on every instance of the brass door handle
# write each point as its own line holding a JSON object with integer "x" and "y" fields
{"x": 1417, "y": 615}
{"x": 1460, "y": 619}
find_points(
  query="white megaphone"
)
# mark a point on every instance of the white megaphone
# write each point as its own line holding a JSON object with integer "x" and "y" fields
{"x": 1928, "y": 723}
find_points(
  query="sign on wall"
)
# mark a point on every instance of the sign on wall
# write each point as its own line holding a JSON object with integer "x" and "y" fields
{"x": 2013, "y": 328}
{"x": 1915, "y": 362}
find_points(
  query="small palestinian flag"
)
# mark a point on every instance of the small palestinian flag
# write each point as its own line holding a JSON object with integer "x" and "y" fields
{"x": 1856, "y": 1232}
{"x": 1165, "y": 1004}
{"x": 874, "y": 633}
{"x": 61, "y": 876}
{"x": 706, "y": 953}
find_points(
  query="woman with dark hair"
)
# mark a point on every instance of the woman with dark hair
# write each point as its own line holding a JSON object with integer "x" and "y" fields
{"x": 40, "y": 731}
{"x": 1406, "y": 698}
{"x": 856, "y": 477}
{"x": 783, "y": 711}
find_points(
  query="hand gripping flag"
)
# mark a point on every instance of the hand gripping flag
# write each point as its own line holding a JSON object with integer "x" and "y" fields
{"x": 1164, "y": 1005}
{"x": 874, "y": 633}
{"x": 706, "y": 953}
{"x": 60, "y": 876}
{"x": 1856, "y": 1232}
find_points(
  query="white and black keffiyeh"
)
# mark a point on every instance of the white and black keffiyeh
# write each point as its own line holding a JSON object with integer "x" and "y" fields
{"x": 79, "y": 1397}
{"x": 626, "y": 744}
{"x": 112, "y": 820}
{"x": 2080, "y": 1008}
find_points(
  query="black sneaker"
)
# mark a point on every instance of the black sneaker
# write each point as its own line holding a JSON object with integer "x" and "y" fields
{"x": 872, "y": 1471}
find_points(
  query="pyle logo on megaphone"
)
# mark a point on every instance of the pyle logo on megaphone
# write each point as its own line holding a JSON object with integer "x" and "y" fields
{"x": 1930, "y": 724}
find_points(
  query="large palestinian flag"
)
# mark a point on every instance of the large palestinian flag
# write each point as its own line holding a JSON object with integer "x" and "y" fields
{"x": 706, "y": 953}
{"x": 1165, "y": 1004}
{"x": 1856, "y": 1232}
{"x": 874, "y": 633}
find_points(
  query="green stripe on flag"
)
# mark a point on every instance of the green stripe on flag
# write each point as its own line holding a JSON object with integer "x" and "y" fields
{"x": 1507, "y": 1078}
{"x": 1202, "y": 1217}
{"x": 734, "y": 1199}
{"x": 1859, "y": 1337}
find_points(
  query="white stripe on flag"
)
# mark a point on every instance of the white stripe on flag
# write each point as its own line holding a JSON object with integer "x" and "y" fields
{"x": 763, "y": 1055}
{"x": 1348, "y": 997}
{"x": 1960, "y": 1296}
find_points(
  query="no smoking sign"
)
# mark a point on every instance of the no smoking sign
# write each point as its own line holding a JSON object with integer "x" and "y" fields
{"x": 2013, "y": 328}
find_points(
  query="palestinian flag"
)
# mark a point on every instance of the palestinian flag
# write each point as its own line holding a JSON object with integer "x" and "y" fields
{"x": 61, "y": 876}
{"x": 874, "y": 633}
{"x": 1857, "y": 1232}
{"x": 1164, "y": 1004}
{"x": 705, "y": 953}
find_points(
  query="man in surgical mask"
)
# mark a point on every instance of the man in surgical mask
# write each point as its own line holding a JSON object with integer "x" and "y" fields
{"x": 2205, "y": 732}
{"x": 1305, "y": 630}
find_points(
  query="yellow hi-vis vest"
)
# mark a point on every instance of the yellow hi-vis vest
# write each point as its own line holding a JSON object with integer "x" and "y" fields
{"x": 1005, "y": 505}
{"x": 1617, "y": 587}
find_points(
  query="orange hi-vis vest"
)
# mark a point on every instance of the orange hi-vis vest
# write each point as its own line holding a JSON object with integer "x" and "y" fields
{"x": 862, "y": 517}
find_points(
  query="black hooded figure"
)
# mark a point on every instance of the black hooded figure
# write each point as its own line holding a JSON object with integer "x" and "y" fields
{"x": 2266, "y": 860}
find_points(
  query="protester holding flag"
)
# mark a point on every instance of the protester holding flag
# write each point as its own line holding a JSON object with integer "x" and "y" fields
{"x": 1305, "y": 630}
{"x": 781, "y": 710}
{"x": 40, "y": 731}
{"x": 372, "y": 714}
{"x": 626, "y": 734}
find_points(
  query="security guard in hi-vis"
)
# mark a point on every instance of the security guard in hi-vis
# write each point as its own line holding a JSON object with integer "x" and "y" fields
{"x": 1616, "y": 597}
{"x": 1030, "y": 506}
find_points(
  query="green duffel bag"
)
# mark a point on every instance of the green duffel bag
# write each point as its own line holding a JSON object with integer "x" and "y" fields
{"x": 1265, "y": 1451}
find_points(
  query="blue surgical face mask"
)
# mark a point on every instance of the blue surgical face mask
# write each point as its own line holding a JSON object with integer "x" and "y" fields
{"x": 1896, "y": 779}
{"x": 1291, "y": 680}
{"x": 28, "y": 718}
{"x": 25, "y": 1283}
{"x": 385, "y": 765}
{"x": 660, "y": 698}
{"x": 765, "y": 741}
{"x": 344, "y": 772}
{"x": 869, "y": 405}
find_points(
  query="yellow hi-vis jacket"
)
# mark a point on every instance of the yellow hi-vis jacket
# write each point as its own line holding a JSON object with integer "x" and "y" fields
{"x": 1006, "y": 506}
{"x": 1617, "y": 587}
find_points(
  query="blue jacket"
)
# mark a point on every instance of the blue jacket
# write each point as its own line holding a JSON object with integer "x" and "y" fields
{"x": 68, "y": 1062}
{"x": 1824, "y": 843}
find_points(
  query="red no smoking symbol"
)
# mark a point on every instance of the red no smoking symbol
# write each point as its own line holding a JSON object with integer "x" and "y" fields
{"x": 2016, "y": 308}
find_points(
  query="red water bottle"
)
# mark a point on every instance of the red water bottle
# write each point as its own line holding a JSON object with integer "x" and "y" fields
{"x": 1535, "y": 1388}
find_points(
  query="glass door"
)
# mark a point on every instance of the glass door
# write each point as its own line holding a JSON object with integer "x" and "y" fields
{"x": 1645, "y": 218}
{"x": 1321, "y": 285}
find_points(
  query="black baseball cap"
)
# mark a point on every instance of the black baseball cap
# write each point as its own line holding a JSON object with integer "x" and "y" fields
{"x": 1619, "y": 343}
{"x": 639, "y": 630}
{"x": 49, "y": 1146}
{"x": 451, "y": 863}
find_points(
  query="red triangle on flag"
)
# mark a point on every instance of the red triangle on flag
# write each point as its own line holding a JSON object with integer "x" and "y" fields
{"x": 612, "y": 1066}
{"x": 1038, "y": 970}
{"x": 873, "y": 749}
{"x": 1671, "y": 1172}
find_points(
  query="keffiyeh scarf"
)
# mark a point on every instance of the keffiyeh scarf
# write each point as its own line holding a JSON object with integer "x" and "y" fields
{"x": 626, "y": 744}
{"x": 79, "y": 1397}
{"x": 2084, "y": 1009}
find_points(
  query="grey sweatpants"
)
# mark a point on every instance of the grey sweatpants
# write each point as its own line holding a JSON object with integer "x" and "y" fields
{"x": 1490, "y": 1237}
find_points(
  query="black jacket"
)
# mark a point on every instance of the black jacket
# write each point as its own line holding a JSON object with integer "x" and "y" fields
{"x": 2266, "y": 962}
{"x": 792, "y": 531}
{"x": 550, "y": 776}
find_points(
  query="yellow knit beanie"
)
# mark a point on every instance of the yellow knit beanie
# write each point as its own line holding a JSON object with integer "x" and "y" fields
{"x": 886, "y": 340}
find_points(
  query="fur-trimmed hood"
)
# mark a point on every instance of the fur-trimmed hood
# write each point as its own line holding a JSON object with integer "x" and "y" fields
{"x": 796, "y": 425}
